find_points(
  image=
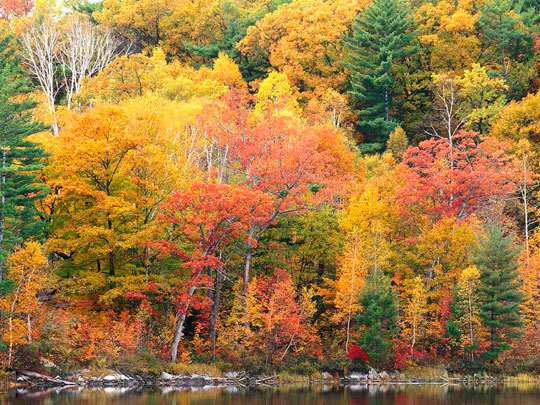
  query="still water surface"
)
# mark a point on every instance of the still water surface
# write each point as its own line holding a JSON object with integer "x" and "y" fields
{"x": 319, "y": 395}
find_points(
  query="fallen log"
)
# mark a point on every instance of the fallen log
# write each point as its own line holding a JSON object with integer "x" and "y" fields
{"x": 262, "y": 380}
{"x": 44, "y": 378}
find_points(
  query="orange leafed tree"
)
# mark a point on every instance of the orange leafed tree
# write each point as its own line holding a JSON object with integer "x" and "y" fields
{"x": 295, "y": 165}
{"x": 278, "y": 322}
{"x": 15, "y": 8}
{"x": 207, "y": 216}
{"x": 304, "y": 40}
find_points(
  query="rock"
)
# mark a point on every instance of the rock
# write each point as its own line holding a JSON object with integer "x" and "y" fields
{"x": 48, "y": 364}
{"x": 384, "y": 375}
{"x": 357, "y": 376}
{"x": 167, "y": 376}
{"x": 326, "y": 376}
{"x": 115, "y": 377}
{"x": 372, "y": 373}
{"x": 232, "y": 374}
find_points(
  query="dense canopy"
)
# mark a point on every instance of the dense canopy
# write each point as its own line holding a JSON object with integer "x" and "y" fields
{"x": 301, "y": 185}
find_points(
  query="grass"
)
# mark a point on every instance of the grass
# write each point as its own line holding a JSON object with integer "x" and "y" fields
{"x": 285, "y": 377}
{"x": 193, "y": 368}
{"x": 523, "y": 378}
{"x": 424, "y": 372}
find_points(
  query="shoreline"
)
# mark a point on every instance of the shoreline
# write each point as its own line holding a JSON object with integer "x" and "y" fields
{"x": 31, "y": 380}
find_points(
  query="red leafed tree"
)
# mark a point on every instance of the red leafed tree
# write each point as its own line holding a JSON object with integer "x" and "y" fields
{"x": 15, "y": 8}
{"x": 207, "y": 216}
{"x": 356, "y": 354}
{"x": 278, "y": 323}
{"x": 297, "y": 166}
{"x": 458, "y": 179}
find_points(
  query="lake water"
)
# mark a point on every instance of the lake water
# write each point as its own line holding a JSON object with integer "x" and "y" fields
{"x": 327, "y": 395}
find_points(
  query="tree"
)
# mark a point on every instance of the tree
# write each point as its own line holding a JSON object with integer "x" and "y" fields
{"x": 27, "y": 270}
{"x": 483, "y": 97}
{"x": 458, "y": 178}
{"x": 74, "y": 47}
{"x": 15, "y": 8}
{"x": 84, "y": 51}
{"x": 21, "y": 159}
{"x": 415, "y": 309}
{"x": 499, "y": 292}
{"x": 85, "y": 7}
{"x": 368, "y": 224}
{"x": 278, "y": 318}
{"x": 237, "y": 19}
{"x": 141, "y": 21}
{"x": 381, "y": 36}
{"x": 350, "y": 278}
{"x": 208, "y": 216}
{"x": 447, "y": 117}
{"x": 141, "y": 75}
{"x": 378, "y": 319}
{"x": 439, "y": 253}
{"x": 448, "y": 32}
{"x": 274, "y": 89}
{"x": 298, "y": 166}
{"x": 465, "y": 323}
{"x": 304, "y": 40}
{"x": 472, "y": 101}
{"x": 520, "y": 120}
{"x": 328, "y": 106}
{"x": 111, "y": 169}
{"x": 40, "y": 44}
{"x": 94, "y": 218}
{"x": 506, "y": 27}
{"x": 397, "y": 144}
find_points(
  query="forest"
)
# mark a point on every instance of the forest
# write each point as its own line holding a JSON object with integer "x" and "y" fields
{"x": 292, "y": 186}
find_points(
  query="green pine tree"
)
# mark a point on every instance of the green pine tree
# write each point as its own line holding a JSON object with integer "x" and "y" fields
{"x": 86, "y": 7}
{"x": 20, "y": 159}
{"x": 508, "y": 29}
{"x": 381, "y": 35}
{"x": 377, "y": 321}
{"x": 499, "y": 292}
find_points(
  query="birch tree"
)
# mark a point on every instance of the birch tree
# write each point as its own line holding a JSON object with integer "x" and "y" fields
{"x": 84, "y": 51}
{"x": 41, "y": 44}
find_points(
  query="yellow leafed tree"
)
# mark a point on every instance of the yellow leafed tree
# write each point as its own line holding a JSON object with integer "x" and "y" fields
{"x": 27, "y": 270}
{"x": 415, "y": 309}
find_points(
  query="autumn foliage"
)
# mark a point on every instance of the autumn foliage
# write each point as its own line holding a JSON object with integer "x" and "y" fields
{"x": 302, "y": 186}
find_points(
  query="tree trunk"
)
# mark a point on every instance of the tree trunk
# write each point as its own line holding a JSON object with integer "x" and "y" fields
{"x": 3, "y": 203}
{"x": 386, "y": 106}
{"x": 112, "y": 271}
{"x": 413, "y": 339}
{"x": 111, "y": 253}
{"x": 29, "y": 325}
{"x": 247, "y": 262}
{"x": 215, "y": 312}
{"x": 525, "y": 209}
{"x": 470, "y": 326}
{"x": 348, "y": 331}
{"x": 179, "y": 332}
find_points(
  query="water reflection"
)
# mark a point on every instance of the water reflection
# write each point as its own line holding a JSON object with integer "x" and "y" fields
{"x": 360, "y": 394}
